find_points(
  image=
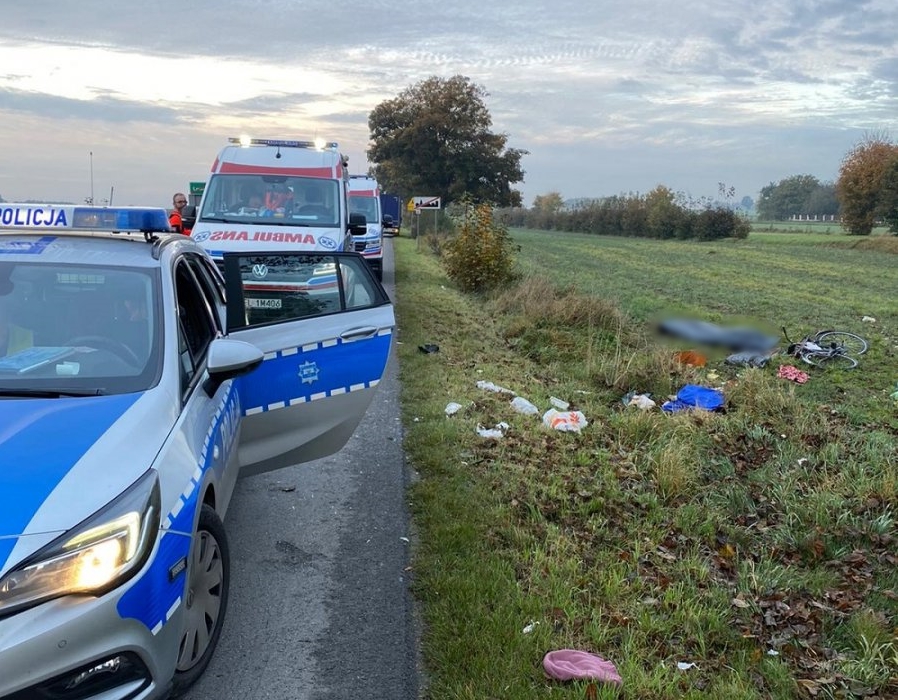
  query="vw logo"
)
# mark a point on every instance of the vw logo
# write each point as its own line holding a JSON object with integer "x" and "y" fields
{"x": 260, "y": 271}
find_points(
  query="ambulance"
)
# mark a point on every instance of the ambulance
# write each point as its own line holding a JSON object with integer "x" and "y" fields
{"x": 277, "y": 195}
{"x": 364, "y": 199}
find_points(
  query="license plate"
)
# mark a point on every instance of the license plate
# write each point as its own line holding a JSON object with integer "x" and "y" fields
{"x": 264, "y": 303}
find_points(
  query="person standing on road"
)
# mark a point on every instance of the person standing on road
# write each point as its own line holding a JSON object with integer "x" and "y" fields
{"x": 175, "y": 218}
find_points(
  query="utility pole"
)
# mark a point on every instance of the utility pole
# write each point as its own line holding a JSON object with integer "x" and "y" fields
{"x": 91, "y": 177}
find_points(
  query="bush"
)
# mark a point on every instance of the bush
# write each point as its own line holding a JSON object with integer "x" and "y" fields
{"x": 480, "y": 257}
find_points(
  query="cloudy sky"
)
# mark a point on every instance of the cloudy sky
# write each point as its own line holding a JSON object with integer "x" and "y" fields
{"x": 132, "y": 100}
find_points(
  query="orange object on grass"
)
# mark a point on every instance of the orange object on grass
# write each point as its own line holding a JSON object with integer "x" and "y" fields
{"x": 691, "y": 358}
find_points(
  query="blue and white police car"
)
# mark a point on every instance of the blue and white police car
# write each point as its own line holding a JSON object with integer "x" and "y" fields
{"x": 138, "y": 380}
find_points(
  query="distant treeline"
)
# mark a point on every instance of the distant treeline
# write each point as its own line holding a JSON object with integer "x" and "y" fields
{"x": 655, "y": 215}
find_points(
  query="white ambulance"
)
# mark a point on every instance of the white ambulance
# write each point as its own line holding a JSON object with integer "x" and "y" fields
{"x": 277, "y": 195}
{"x": 364, "y": 199}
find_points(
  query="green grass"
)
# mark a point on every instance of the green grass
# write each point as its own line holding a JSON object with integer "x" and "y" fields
{"x": 653, "y": 538}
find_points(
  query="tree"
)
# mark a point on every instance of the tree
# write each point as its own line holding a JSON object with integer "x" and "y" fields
{"x": 549, "y": 203}
{"x": 790, "y": 196}
{"x": 862, "y": 185}
{"x": 889, "y": 197}
{"x": 435, "y": 139}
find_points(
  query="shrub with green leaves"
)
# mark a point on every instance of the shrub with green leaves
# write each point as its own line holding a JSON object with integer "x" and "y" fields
{"x": 480, "y": 257}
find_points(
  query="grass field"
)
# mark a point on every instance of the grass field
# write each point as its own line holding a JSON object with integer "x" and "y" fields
{"x": 757, "y": 543}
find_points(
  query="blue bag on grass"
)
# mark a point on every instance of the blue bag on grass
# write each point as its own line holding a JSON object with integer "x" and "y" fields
{"x": 694, "y": 396}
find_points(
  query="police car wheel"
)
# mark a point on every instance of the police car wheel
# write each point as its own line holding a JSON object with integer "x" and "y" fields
{"x": 100, "y": 342}
{"x": 206, "y": 599}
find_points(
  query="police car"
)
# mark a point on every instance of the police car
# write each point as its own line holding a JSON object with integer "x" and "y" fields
{"x": 138, "y": 380}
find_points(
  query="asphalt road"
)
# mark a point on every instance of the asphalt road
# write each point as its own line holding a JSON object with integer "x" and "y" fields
{"x": 319, "y": 605}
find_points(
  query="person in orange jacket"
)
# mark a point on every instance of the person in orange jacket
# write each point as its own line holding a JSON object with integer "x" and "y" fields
{"x": 175, "y": 219}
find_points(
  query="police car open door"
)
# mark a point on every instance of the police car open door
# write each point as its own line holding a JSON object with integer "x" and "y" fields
{"x": 325, "y": 325}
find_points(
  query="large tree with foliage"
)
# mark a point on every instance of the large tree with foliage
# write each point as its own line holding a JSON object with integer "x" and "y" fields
{"x": 863, "y": 187}
{"x": 435, "y": 139}
{"x": 796, "y": 195}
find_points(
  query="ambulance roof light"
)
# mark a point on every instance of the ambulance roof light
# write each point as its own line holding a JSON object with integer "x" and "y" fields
{"x": 57, "y": 217}
{"x": 320, "y": 144}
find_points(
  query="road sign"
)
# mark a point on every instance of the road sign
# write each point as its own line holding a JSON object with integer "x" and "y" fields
{"x": 197, "y": 188}
{"x": 426, "y": 202}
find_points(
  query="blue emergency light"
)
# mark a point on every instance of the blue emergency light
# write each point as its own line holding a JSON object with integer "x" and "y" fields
{"x": 121, "y": 219}
{"x": 69, "y": 218}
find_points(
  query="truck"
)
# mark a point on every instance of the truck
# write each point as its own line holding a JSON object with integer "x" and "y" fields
{"x": 364, "y": 199}
{"x": 277, "y": 195}
{"x": 391, "y": 212}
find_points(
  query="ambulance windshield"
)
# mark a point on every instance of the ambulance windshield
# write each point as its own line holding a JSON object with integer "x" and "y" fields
{"x": 365, "y": 205}
{"x": 276, "y": 199}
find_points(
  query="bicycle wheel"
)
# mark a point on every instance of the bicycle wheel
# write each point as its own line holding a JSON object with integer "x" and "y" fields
{"x": 852, "y": 344}
{"x": 829, "y": 360}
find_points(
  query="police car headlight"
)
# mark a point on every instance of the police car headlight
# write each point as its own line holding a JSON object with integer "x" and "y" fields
{"x": 99, "y": 554}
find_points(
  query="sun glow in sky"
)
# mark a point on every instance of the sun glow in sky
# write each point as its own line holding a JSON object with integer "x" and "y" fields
{"x": 605, "y": 99}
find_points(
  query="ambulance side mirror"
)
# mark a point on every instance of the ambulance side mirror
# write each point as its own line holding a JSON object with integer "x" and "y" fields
{"x": 358, "y": 225}
{"x": 188, "y": 216}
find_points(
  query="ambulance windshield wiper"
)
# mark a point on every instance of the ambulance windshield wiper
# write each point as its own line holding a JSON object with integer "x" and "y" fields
{"x": 49, "y": 393}
{"x": 222, "y": 220}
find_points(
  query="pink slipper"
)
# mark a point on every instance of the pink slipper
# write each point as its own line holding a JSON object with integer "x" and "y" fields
{"x": 570, "y": 664}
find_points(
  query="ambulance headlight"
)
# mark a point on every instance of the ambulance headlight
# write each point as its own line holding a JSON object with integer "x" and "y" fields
{"x": 99, "y": 554}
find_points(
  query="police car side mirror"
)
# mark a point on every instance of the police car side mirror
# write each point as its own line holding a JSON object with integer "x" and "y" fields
{"x": 358, "y": 224}
{"x": 228, "y": 359}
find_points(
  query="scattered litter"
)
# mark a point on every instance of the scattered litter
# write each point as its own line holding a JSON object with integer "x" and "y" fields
{"x": 571, "y": 664}
{"x": 868, "y": 319}
{"x": 529, "y": 627}
{"x": 522, "y": 405}
{"x": 772, "y": 652}
{"x": 748, "y": 359}
{"x": 429, "y": 348}
{"x": 802, "y": 461}
{"x": 495, "y": 433}
{"x": 560, "y": 404}
{"x": 404, "y": 539}
{"x": 568, "y": 421}
{"x": 489, "y": 386}
{"x": 793, "y": 374}
{"x": 686, "y": 665}
{"x": 643, "y": 402}
{"x": 452, "y": 408}
{"x": 691, "y": 358}
{"x": 694, "y": 396}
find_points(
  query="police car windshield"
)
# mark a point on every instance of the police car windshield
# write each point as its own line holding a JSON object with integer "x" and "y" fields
{"x": 77, "y": 329}
{"x": 271, "y": 200}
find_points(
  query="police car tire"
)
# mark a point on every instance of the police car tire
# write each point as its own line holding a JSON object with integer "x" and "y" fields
{"x": 211, "y": 531}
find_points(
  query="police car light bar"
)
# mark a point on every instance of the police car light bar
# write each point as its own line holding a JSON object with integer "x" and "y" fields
{"x": 246, "y": 141}
{"x": 75, "y": 218}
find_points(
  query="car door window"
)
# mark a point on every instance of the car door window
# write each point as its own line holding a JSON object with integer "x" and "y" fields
{"x": 197, "y": 326}
{"x": 274, "y": 288}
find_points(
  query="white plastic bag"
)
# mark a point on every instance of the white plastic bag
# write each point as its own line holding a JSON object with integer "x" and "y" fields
{"x": 489, "y": 386}
{"x": 522, "y": 405}
{"x": 566, "y": 421}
